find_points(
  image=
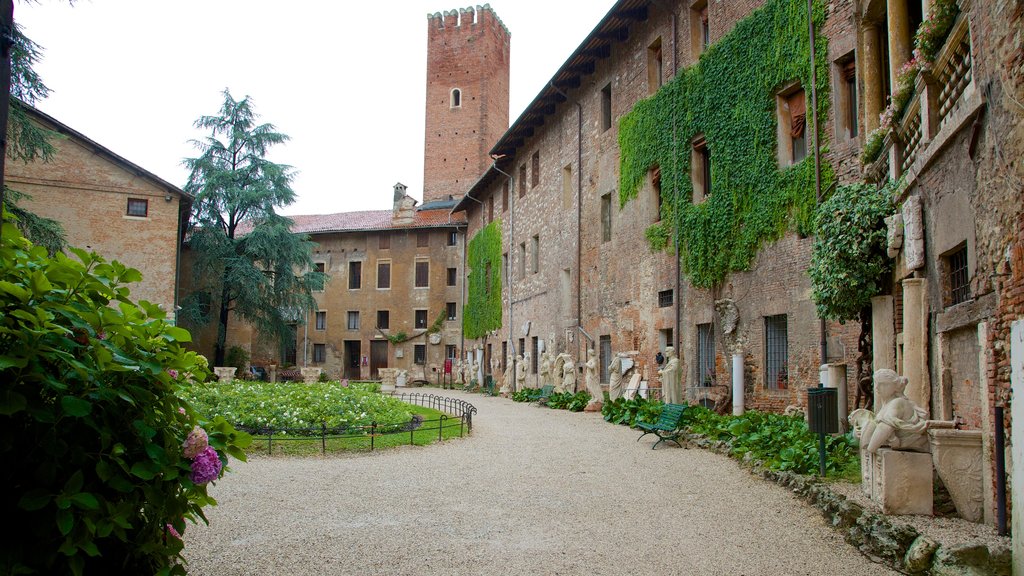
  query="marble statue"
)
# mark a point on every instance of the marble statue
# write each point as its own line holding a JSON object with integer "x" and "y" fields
{"x": 592, "y": 378}
{"x": 474, "y": 372}
{"x": 520, "y": 372}
{"x": 545, "y": 368}
{"x": 669, "y": 376}
{"x": 506, "y": 378}
{"x": 458, "y": 372}
{"x": 899, "y": 423}
{"x": 568, "y": 375}
{"x": 615, "y": 376}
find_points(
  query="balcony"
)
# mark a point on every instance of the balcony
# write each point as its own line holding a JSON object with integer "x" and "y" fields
{"x": 945, "y": 99}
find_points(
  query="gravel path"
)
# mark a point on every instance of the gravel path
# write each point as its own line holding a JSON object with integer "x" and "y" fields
{"x": 533, "y": 491}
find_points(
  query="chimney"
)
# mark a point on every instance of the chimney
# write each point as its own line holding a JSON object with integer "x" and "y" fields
{"x": 404, "y": 207}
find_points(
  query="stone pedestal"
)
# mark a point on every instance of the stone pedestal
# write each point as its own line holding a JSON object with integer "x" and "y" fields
{"x": 225, "y": 373}
{"x": 401, "y": 379}
{"x": 388, "y": 379}
{"x": 593, "y": 407}
{"x": 957, "y": 458}
{"x": 899, "y": 482}
{"x": 737, "y": 385}
{"x": 837, "y": 380}
{"x": 310, "y": 375}
{"x": 272, "y": 372}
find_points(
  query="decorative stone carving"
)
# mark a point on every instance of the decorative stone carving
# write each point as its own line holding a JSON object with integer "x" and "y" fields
{"x": 615, "y": 371}
{"x": 957, "y": 455}
{"x": 729, "y": 318}
{"x": 434, "y": 338}
{"x": 225, "y": 373}
{"x": 506, "y": 378}
{"x": 593, "y": 381}
{"x": 388, "y": 378}
{"x": 899, "y": 423}
{"x": 458, "y": 372}
{"x": 310, "y": 375}
{"x": 545, "y": 369}
{"x": 568, "y": 383}
{"x": 401, "y": 379}
{"x": 893, "y": 235}
{"x": 906, "y": 482}
{"x": 913, "y": 233}
{"x": 669, "y": 376}
{"x": 520, "y": 372}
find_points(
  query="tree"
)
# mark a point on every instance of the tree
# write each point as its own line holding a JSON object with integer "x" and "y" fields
{"x": 27, "y": 141}
{"x": 247, "y": 261}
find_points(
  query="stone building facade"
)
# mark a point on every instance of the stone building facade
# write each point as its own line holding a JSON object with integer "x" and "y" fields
{"x": 108, "y": 205}
{"x": 956, "y": 289}
{"x": 580, "y": 273}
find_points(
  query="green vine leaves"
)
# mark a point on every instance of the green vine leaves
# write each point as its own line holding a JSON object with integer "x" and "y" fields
{"x": 482, "y": 313}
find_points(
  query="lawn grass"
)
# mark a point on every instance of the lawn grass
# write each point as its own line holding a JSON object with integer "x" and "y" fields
{"x": 427, "y": 433}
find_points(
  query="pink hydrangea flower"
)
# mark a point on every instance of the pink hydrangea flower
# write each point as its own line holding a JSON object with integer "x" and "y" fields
{"x": 172, "y": 531}
{"x": 206, "y": 466}
{"x": 196, "y": 442}
{"x": 181, "y": 410}
{"x": 172, "y": 372}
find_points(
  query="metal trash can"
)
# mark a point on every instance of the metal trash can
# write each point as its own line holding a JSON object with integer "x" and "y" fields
{"x": 823, "y": 410}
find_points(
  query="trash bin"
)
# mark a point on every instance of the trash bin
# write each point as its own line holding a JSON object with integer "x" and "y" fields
{"x": 823, "y": 410}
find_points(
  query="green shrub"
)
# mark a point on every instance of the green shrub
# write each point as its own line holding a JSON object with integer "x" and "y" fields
{"x": 629, "y": 412}
{"x": 569, "y": 401}
{"x": 94, "y": 474}
{"x": 239, "y": 358}
{"x": 526, "y": 395}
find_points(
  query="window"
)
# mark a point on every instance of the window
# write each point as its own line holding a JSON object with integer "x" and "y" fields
{"x": 451, "y": 309}
{"x": 700, "y": 169}
{"x": 958, "y": 279}
{"x": 318, "y": 284}
{"x": 504, "y": 355}
{"x": 567, "y": 186}
{"x": 452, "y": 275}
{"x": 705, "y": 355}
{"x": 535, "y": 169}
{"x": 353, "y": 320}
{"x": 138, "y": 207}
{"x": 535, "y": 252}
{"x": 319, "y": 353}
{"x": 490, "y": 208}
{"x": 792, "y": 119}
{"x": 776, "y": 353}
{"x": 321, "y": 320}
{"x": 420, "y": 319}
{"x": 604, "y": 356}
{"x": 522, "y": 259}
{"x": 419, "y": 353}
{"x": 522, "y": 180}
{"x": 665, "y": 298}
{"x": 422, "y": 273}
{"x": 383, "y": 319}
{"x": 449, "y": 351}
{"x": 655, "y": 176}
{"x": 355, "y": 275}
{"x": 655, "y": 67}
{"x": 846, "y": 97}
{"x": 453, "y": 237}
{"x": 534, "y": 354}
{"x": 385, "y": 242}
{"x": 700, "y": 29}
{"x": 606, "y": 107}
{"x": 606, "y": 217}
{"x": 456, "y": 100}
{"x": 384, "y": 275}
{"x": 422, "y": 239}
{"x": 504, "y": 196}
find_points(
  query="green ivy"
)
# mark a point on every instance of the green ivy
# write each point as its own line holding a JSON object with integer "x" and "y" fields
{"x": 482, "y": 312}
{"x": 729, "y": 97}
{"x": 849, "y": 261}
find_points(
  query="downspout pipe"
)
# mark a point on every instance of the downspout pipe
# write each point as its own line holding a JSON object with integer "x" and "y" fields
{"x": 579, "y": 209}
{"x": 505, "y": 272}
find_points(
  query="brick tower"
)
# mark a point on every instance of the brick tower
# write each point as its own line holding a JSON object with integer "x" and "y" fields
{"x": 467, "y": 98}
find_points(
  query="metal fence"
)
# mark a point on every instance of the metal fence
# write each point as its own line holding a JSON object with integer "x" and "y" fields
{"x": 461, "y": 416}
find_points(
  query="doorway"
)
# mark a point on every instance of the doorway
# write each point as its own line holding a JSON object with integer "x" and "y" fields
{"x": 353, "y": 352}
{"x": 378, "y": 357}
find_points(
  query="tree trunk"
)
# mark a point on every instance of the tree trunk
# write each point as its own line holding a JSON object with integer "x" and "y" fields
{"x": 222, "y": 329}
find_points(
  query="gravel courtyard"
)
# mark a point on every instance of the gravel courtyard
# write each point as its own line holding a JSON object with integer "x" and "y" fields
{"x": 532, "y": 491}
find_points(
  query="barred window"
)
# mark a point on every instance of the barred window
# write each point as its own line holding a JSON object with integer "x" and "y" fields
{"x": 419, "y": 353}
{"x": 665, "y": 298}
{"x": 776, "y": 358}
{"x": 138, "y": 207}
{"x": 705, "y": 355}
{"x": 959, "y": 279}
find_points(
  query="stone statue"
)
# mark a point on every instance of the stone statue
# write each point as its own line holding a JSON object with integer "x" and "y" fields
{"x": 545, "y": 368}
{"x": 506, "y": 378}
{"x": 592, "y": 379}
{"x": 899, "y": 423}
{"x": 669, "y": 376}
{"x": 568, "y": 374}
{"x": 474, "y": 371}
{"x": 615, "y": 376}
{"x": 520, "y": 372}
{"x": 458, "y": 372}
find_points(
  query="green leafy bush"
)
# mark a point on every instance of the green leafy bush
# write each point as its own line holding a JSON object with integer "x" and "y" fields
{"x": 482, "y": 312}
{"x": 239, "y": 358}
{"x": 526, "y": 395}
{"x": 569, "y": 401}
{"x": 259, "y": 405}
{"x": 96, "y": 479}
{"x": 849, "y": 261}
{"x": 629, "y": 412}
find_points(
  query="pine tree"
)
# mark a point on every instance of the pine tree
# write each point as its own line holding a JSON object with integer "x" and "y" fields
{"x": 247, "y": 261}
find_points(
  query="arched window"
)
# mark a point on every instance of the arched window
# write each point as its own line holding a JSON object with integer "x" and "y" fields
{"x": 456, "y": 98}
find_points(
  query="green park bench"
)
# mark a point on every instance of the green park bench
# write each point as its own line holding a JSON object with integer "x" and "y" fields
{"x": 668, "y": 426}
{"x": 544, "y": 393}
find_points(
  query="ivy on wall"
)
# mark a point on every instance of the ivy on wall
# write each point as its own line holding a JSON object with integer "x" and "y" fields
{"x": 482, "y": 312}
{"x": 729, "y": 96}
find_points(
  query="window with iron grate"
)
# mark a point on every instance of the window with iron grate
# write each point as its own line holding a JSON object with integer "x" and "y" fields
{"x": 776, "y": 358}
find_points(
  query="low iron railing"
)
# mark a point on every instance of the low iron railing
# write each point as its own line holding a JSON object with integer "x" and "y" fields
{"x": 461, "y": 416}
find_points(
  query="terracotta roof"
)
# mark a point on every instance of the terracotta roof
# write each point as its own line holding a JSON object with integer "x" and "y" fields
{"x": 371, "y": 220}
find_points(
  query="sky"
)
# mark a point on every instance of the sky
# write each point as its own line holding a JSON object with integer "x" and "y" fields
{"x": 345, "y": 80}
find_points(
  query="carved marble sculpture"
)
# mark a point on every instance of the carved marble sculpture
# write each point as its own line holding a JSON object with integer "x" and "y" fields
{"x": 615, "y": 376}
{"x": 520, "y": 372}
{"x": 474, "y": 372}
{"x": 457, "y": 372}
{"x": 506, "y": 378}
{"x": 592, "y": 378}
{"x": 568, "y": 374}
{"x": 545, "y": 368}
{"x": 898, "y": 424}
{"x": 729, "y": 316}
{"x": 669, "y": 376}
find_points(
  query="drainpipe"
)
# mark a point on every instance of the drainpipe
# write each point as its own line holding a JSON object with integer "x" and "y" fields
{"x": 823, "y": 344}
{"x": 579, "y": 210}
{"x": 506, "y": 272}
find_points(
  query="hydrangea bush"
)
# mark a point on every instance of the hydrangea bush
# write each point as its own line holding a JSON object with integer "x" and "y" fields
{"x": 286, "y": 405}
{"x": 104, "y": 461}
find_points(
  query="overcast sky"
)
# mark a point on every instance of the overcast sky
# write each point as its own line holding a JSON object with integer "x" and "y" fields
{"x": 346, "y": 80}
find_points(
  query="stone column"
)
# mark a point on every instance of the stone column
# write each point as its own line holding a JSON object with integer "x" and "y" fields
{"x": 871, "y": 74}
{"x": 915, "y": 342}
{"x": 737, "y": 384}
{"x": 883, "y": 334}
{"x": 899, "y": 37}
{"x": 837, "y": 380}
